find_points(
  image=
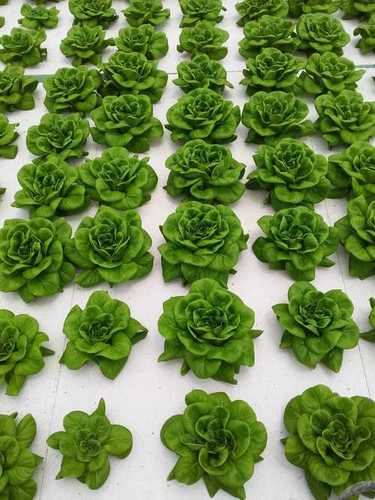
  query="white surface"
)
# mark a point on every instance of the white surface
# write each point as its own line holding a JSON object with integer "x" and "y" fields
{"x": 145, "y": 394}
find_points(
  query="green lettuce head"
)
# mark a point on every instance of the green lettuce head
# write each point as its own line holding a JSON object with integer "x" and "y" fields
{"x": 203, "y": 114}
{"x": 205, "y": 172}
{"x": 352, "y": 172}
{"x": 110, "y": 248}
{"x": 62, "y": 135}
{"x": 8, "y": 135}
{"x": 357, "y": 234}
{"x": 204, "y": 38}
{"x": 211, "y": 443}
{"x": 102, "y": 333}
{"x": 18, "y": 463}
{"x": 84, "y": 44}
{"x": 201, "y": 10}
{"x": 126, "y": 121}
{"x": 317, "y": 326}
{"x": 210, "y": 330}
{"x": 329, "y": 72}
{"x": 271, "y": 70}
{"x": 38, "y": 17}
{"x": 254, "y": 9}
{"x": 93, "y": 12}
{"x": 118, "y": 180}
{"x": 291, "y": 172}
{"x": 133, "y": 73}
{"x": 271, "y": 116}
{"x": 21, "y": 350}
{"x": 296, "y": 240}
{"x": 23, "y": 47}
{"x": 146, "y": 12}
{"x": 370, "y": 335}
{"x": 366, "y": 31}
{"x": 345, "y": 118}
{"x": 50, "y": 187}
{"x": 299, "y": 7}
{"x": 268, "y": 32}
{"x": 16, "y": 89}
{"x": 144, "y": 40}
{"x": 72, "y": 89}
{"x": 358, "y": 8}
{"x": 86, "y": 443}
{"x": 321, "y": 33}
{"x": 202, "y": 241}
{"x": 201, "y": 72}
{"x": 32, "y": 257}
{"x": 331, "y": 439}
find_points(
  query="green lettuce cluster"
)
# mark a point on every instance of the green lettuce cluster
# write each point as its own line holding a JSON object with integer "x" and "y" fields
{"x": 146, "y": 12}
{"x": 270, "y": 70}
{"x": 268, "y": 32}
{"x": 370, "y": 335}
{"x": 352, "y": 172}
{"x": 204, "y": 38}
{"x": 93, "y": 12}
{"x": 345, "y": 118}
{"x": 212, "y": 444}
{"x": 72, "y": 90}
{"x": 203, "y": 114}
{"x": 102, "y": 333}
{"x": 126, "y": 121}
{"x": 299, "y": 7}
{"x": 201, "y": 72}
{"x": 331, "y": 439}
{"x": 23, "y": 47}
{"x": 57, "y": 134}
{"x": 38, "y": 17}
{"x": 357, "y": 234}
{"x": 317, "y": 326}
{"x": 16, "y": 89}
{"x": 296, "y": 240}
{"x": 133, "y": 73}
{"x": 202, "y": 241}
{"x": 292, "y": 173}
{"x": 86, "y": 443}
{"x": 118, "y": 180}
{"x": 254, "y": 9}
{"x": 110, "y": 247}
{"x": 201, "y": 10}
{"x": 50, "y": 187}
{"x": 84, "y": 44}
{"x": 210, "y": 330}
{"x": 329, "y": 72}
{"x": 366, "y": 31}
{"x": 358, "y": 8}
{"x": 18, "y": 462}
{"x": 321, "y": 33}
{"x": 205, "y": 172}
{"x": 8, "y": 135}
{"x": 271, "y": 116}
{"x": 32, "y": 257}
{"x": 21, "y": 350}
{"x": 144, "y": 40}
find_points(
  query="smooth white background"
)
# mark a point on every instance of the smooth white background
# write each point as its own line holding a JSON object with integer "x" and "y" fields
{"x": 146, "y": 393}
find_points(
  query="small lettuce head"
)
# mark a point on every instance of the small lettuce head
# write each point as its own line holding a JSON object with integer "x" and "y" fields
{"x": 254, "y": 9}
{"x": 93, "y": 12}
{"x": 366, "y": 32}
{"x": 204, "y": 38}
{"x": 201, "y": 10}
{"x": 296, "y": 240}
{"x": 210, "y": 330}
{"x": 203, "y": 114}
{"x": 144, "y": 40}
{"x": 321, "y": 33}
{"x": 23, "y": 47}
{"x": 216, "y": 440}
{"x": 330, "y": 438}
{"x": 142, "y": 12}
{"x": 202, "y": 241}
{"x": 16, "y": 89}
{"x": 357, "y": 234}
{"x": 85, "y": 44}
{"x": 317, "y": 326}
